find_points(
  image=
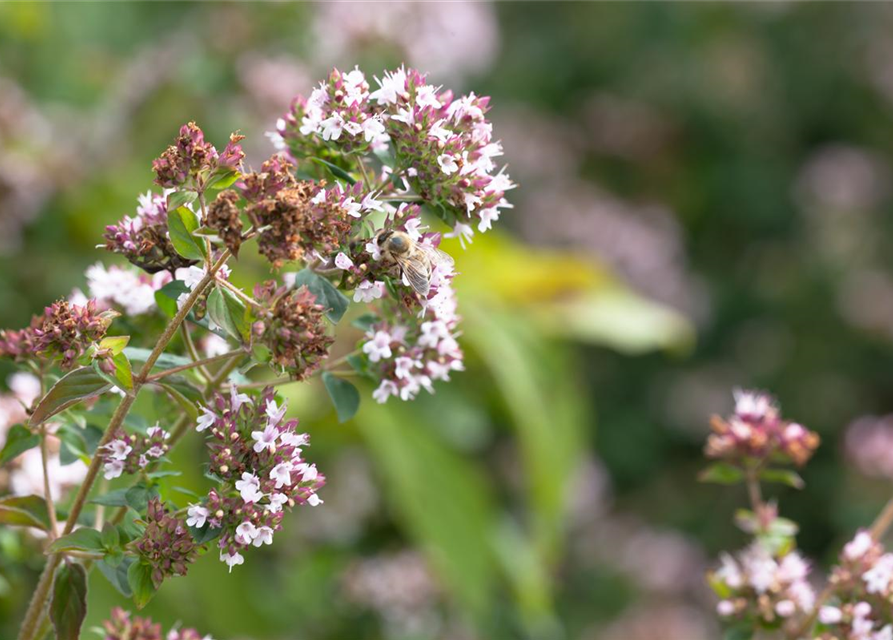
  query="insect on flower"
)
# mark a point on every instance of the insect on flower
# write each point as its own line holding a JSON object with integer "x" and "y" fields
{"x": 416, "y": 260}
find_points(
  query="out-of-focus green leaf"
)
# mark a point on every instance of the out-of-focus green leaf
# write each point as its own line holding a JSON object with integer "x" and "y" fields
{"x": 165, "y": 360}
{"x": 18, "y": 440}
{"x": 72, "y": 388}
{"x": 25, "y": 511}
{"x": 783, "y": 476}
{"x": 722, "y": 473}
{"x": 442, "y": 500}
{"x": 344, "y": 396}
{"x": 183, "y": 394}
{"x": 68, "y": 606}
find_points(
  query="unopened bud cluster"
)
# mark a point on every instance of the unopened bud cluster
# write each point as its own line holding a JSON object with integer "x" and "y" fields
{"x": 64, "y": 332}
{"x": 191, "y": 160}
{"x": 166, "y": 544}
{"x": 757, "y": 431}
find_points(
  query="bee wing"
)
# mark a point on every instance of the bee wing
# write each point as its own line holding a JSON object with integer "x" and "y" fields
{"x": 417, "y": 273}
{"x": 435, "y": 255}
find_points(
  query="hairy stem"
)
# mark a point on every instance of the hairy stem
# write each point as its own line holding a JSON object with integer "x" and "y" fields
{"x": 41, "y": 592}
{"x": 48, "y": 495}
{"x": 190, "y": 348}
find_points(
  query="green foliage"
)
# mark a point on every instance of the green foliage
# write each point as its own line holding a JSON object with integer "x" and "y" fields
{"x": 326, "y": 294}
{"x": 229, "y": 312}
{"x": 73, "y": 387}
{"x": 25, "y": 511}
{"x": 139, "y": 579}
{"x": 68, "y": 607}
{"x": 18, "y": 440}
{"x": 182, "y": 224}
{"x": 344, "y": 395}
{"x": 722, "y": 473}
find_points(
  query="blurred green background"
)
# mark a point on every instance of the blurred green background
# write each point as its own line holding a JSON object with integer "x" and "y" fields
{"x": 702, "y": 202}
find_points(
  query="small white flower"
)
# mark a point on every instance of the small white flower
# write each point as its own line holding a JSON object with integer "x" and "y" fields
{"x": 830, "y": 615}
{"x": 197, "y": 516}
{"x": 725, "y": 608}
{"x": 155, "y": 451}
{"x": 264, "y": 535}
{"x": 143, "y": 461}
{"x": 308, "y": 472}
{"x": 319, "y": 198}
{"x": 462, "y": 231}
{"x": 374, "y": 250}
{"x": 379, "y": 346}
{"x": 314, "y": 500}
{"x": 281, "y": 473}
{"x": 277, "y": 500}
{"x": 404, "y": 366}
{"x": 392, "y": 86}
{"x": 858, "y": 546}
{"x": 354, "y": 209}
{"x": 294, "y": 439}
{"x": 238, "y": 399}
{"x": 785, "y": 608}
{"x": 265, "y": 439}
{"x": 343, "y": 262}
{"x": 118, "y": 449}
{"x": 275, "y": 412}
{"x": 369, "y": 203}
{"x": 412, "y": 227}
{"x": 205, "y": 420}
{"x": 877, "y": 579}
{"x": 156, "y": 430}
{"x": 249, "y": 487}
{"x": 373, "y": 129}
{"x": 113, "y": 469}
{"x": 488, "y": 217}
{"x": 232, "y": 559}
{"x": 190, "y": 276}
{"x": 331, "y": 127}
{"x": 246, "y": 532}
{"x": 353, "y": 128}
{"x": 447, "y": 163}
{"x": 385, "y": 390}
{"x": 367, "y": 291}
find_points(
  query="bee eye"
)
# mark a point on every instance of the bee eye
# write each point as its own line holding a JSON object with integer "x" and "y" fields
{"x": 397, "y": 243}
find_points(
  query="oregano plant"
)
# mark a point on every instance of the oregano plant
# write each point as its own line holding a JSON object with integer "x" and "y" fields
{"x": 352, "y": 165}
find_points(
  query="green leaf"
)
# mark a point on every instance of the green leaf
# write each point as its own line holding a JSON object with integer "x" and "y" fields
{"x": 326, "y": 294}
{"x": 73, "y": 387}
{"x": 183, "y": 394}
{"x": 165, "y": 473}
{"x": 111, "y": 539}
{"x": 116, "y": 498}
{"x": 18, "y": 440}
{"x": 344, "y": 396}
{"x": 181, "y": 224}
{"x": 783, "y": 476}
{"x": 337, "y": 171}
{"x": 721, "y": 473}
{"x": 122, "y": 377}
{"x": 441, "y": 500}
{"x": 139, "y": 578}
{"x": 179, "y": 198}
{"x": 222, "y": 179}
{"x": 68, "y": 608}
{"x": 25, "y": 511}
{"x": 739, "y": 633}
{"x": 115, "y": 343}
{"x": 166, "y": 299}
{"x": 165, "y": 360}
{"x": 117, "y": 574}
{"x": 138, "y": 496}
{"x": 205, "y": 534}
{"x": 74, "y": 447}
{"x": 229, "y": 313}
{"x": 365, "y": 321}
{"x": 78, "y": 540}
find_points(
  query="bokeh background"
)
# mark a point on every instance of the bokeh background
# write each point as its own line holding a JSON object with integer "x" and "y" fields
{"x": 704, "y": 203}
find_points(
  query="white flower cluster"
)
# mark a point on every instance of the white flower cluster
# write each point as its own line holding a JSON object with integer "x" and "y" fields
{"x": 127, "y": 288}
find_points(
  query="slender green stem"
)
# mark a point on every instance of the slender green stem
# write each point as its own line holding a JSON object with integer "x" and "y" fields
{"x": 38, "y": 602}
{"x": 193, "y": 365}
{"x": 245, "y": 297}
{"x": 48, "y": 494}
{"x": 366, "y": 178}
{"x": 191, "y": 349}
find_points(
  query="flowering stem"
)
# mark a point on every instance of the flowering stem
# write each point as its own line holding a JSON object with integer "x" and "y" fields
{"x": 193, "y": 365}
{"x": 366, "y": 179}
{"x": 41, "y": 592}
{"x": 48, "y": 495}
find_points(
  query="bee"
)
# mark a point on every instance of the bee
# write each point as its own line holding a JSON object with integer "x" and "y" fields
{"x": 416, "y": 260}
